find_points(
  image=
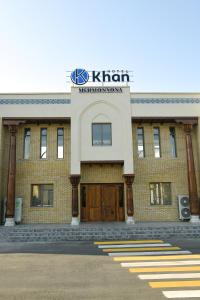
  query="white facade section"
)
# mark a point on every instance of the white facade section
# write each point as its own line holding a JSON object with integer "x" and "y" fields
{"x": 83, "y": 109}
{"x": 112, "y": 108}
{"x": 166, "y": 108}
{"x": 29, "y": 109}
{"x": 143, "y": 109}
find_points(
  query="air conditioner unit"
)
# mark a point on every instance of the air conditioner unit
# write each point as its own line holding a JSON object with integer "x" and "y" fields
{"x": 184, "y": 207}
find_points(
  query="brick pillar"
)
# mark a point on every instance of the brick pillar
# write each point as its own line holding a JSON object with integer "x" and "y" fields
{"x": 75, "y": 179}
{"x": 10, "y": 205}
{"x": 129, "y": 178}
{"x": 192, "y": 185}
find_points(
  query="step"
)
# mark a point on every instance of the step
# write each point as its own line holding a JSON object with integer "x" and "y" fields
{"x": 89, "y": 231}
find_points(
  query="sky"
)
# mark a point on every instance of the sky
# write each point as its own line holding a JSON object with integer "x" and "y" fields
{"x": 159, "y": 40}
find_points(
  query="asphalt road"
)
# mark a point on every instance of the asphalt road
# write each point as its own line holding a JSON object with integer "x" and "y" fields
{"x": 71, "y": 270}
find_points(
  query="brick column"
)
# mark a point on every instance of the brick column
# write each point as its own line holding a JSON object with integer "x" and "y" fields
{"x": 75, "y": 179}
{"x": 129, "y": 178}
{"x": 10, "y": 205}
{"x": 192, "y": 185}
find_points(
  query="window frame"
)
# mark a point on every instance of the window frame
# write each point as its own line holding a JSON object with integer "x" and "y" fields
{"x": 174, "y": 145}
{"x": 143, "y": 142}
{"x": 26, "y": 129}
{"x": 63, "y": 142}
{"x": 159, "y": 140}
{"x": 161, "y": 193}
{"x": 41, "y": 206}
{"x": 41, "y": 142}
{"x": 102, "y": 144}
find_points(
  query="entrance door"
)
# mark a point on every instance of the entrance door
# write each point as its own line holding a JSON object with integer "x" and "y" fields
{"x": 109, "y": 204}
{"x": 102, "y": 202}
{"x": 94, "y": 202}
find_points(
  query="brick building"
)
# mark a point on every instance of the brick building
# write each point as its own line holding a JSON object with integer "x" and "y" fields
{"x": 99, "y": 154}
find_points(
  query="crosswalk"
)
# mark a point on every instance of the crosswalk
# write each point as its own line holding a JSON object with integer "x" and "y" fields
{"x": 164, "y": 266}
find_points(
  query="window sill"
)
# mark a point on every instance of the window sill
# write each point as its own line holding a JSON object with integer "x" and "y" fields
{"x": 101, "y": 145}
{"x": 36, "y": 207}
{"x": 160, "y": 205}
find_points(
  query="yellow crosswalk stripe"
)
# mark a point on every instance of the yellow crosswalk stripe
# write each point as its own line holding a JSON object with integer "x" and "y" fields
{"x": 164, "y": 269}
{"x": 128, "y": 242}
{"x": 167, "y": 257}
{"x": 140, "y": 249}
{"x": 169, "y": 284}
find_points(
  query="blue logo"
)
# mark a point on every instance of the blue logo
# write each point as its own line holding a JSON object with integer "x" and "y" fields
{"x": 79, "y": 76}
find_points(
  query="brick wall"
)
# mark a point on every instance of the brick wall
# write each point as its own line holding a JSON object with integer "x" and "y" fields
{"x": 101, "y": 173}
{"x": 164, "y": 169}
{"x": 46, "y": 171}
{"x": 57, "y": 171}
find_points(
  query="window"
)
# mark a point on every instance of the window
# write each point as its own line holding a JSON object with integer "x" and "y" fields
{"x": 27, "y": 142}
{"x": 173, "y": 141}
{"x": 60, "y": 142}
{"x": 160, "y": 193}
{"x": 43, "y": 143}
{"x": 156, "y": 137}
{"x": 42, "y": 195}
{"x": 140, "y": 141}
{"x": 101, "y": 134}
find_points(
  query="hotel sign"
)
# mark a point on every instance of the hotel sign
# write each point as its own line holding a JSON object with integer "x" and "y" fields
{"x": 81, "y": 76}
{"x": 102, "y": 90}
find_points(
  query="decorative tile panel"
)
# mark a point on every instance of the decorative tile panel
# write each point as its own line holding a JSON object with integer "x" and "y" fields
{"x": 165, "y": 101}
{"x": 33, "y": 101}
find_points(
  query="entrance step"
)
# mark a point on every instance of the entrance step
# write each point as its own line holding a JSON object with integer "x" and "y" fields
{"x": 98, "y": 231}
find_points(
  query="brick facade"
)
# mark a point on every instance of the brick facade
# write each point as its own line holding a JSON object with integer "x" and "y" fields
{"x": 101, "y": 173}
{"x": 164, "y": 169}
{"x": 56, "y": 171}
{"x": 48, "y": 171}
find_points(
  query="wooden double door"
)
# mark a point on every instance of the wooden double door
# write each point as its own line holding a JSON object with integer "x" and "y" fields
{"x": 102, "y": 202}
